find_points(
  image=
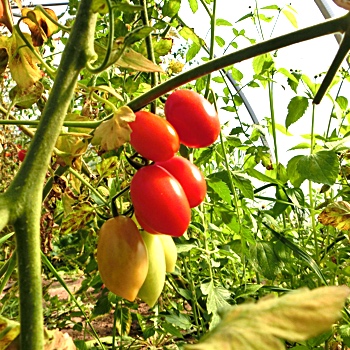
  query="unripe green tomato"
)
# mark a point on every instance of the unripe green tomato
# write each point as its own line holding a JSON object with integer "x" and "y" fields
{"x": 170, "y": 252}
{"x": 154, "y": 283}
{"x": 122, "y": 257}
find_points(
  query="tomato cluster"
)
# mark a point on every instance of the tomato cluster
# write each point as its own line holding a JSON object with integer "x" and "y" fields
{"x": 164, "y": 192}
{"x": 133, "y": 263}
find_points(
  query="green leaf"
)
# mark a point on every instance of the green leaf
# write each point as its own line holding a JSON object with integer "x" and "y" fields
{"x": 270, "y": 7}
{"x": 288, "y": 74}
{"x": 124, "y": 320}
{"x": 312, "y": 86}
{"x": 321, "y": 167}
{"x": 302, "y": 145}
{"x": 192, "y": 52}
{"x": 223, "y": 22}
{"x": 296, "y": 109}
{"x": 193, "y": 5}
{"x": 236, "y": 74}
{"x": 244, "y": 185}
{"x": 264, "y": 259}
{"x": 216, "y": 300}
{"x": 220, "y": 41}
{"x": 342, "y": 102}
{"x": 282, "y": 129}
{"x": 296, "y": 316}
{"x": 220, "y": 188}
{"x": 291, "y": 18}
{"x": 171, "y": 8}
{"x": 179, "y": 320}
{"x": 137, "y": 34}
{"x": 295, "y": 177}
{"x": 260, "y": 176}
{"x": 262, "y": 63}
{"x": 189, "y": 34}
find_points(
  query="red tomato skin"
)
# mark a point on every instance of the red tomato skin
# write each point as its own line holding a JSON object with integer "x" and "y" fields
{"x": 190, "y": 178}
{"x": 193, "y": 117}
{"x": 159, "y": 201}
{"x": 22, "y": 154}
{"x": 153, "y": 137}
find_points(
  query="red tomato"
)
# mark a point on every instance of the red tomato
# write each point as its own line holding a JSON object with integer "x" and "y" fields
{"x": 193, "y": 117}
{"x": 22, "y": 154}
{"x": 153, "y": 137}
{"x": 190, "y": 178}
{"x": 159, "y": 201}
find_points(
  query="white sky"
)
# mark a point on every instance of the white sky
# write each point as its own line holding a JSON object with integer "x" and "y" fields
{"x": 312, "y": 57}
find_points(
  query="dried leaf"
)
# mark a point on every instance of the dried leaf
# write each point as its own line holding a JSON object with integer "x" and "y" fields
{"x": 72, "y": 146}
{"x": 58, "y": 340}
{"x": 26, "y": 97}
{"x": 9, "y": 330}
{"x": 345, "y": 4}
{"x": 22, "y": 62}
{"x": 6, "y": 18}
{"x": 39, "y": 25}
{"x": 113, "y": 133}
{"x": 297, "y": 316}
{"x": 337, "y": 215}
{"x": 134, "y": 60}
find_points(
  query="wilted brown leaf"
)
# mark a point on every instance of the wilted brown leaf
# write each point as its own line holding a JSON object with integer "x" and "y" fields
{"x": 336, "y": 214}
{"x": 113, "y": 133}
{"x": 6, "y": 16}
{"x": 39, "y": 25}
{"x": 296, "y": 316}
{"x": 25, "y": 98}
{"x": 345, "y": 4}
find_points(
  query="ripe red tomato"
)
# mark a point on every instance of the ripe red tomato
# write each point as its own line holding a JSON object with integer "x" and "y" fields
{"x": 22, "y": 154}
{"x": 159, "y": 201}
{"x": 153, "y": 137}
{"x": 193, "y": 117}
{"x": 190, "y": 178}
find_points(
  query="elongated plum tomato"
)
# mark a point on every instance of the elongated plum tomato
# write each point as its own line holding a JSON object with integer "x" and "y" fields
{"x": 190, "y": 178}
{"x": 122, "y": 257}
{"x": 153, "y": 137}
{"x": 159, "y": 201}
{"x": 193, "y": 117}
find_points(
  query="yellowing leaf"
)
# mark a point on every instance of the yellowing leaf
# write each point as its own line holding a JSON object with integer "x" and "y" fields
{"x": 22, "y": 62}
{"x": 9, "y": 330}
{"x": 113, "y": 133}
{"x": 296, "y": 316}
{"x": 39, "y": 25}
{"x": 337, "y": 215}
{"x": 126, "y": 57}
{"x": 72, "y": 146}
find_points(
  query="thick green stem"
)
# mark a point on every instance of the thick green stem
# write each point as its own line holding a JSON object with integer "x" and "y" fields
{"x": 336, "y": 25}
{"x": 25, "y": 193}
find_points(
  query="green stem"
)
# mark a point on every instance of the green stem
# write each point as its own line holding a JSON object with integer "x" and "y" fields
{"x": 87, "y": 184}
{"x": 312, "y": 203}
{"x": 212, "y": 44}
{"x": 58, "y": 24}
{"x": 273, "y": 121}
{"x": 150, "y": 51}
{"x": 336, "y": 25}
{"x": 109, "y": 49}
{"x": 25, "y": 193}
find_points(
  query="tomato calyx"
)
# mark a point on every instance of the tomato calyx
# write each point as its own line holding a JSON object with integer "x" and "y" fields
{"x": 137, "y": 161}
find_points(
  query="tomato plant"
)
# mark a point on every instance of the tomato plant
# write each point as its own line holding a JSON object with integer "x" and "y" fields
{"x": 122, "y": 257}
{"x": 193, "y": 117}
{"x": 160, "y": 201}
{"x": 190, "y": 178}
{"x": 153, "y": 137}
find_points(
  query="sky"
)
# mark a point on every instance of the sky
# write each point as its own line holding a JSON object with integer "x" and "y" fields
{"x": 311, "y": 57}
